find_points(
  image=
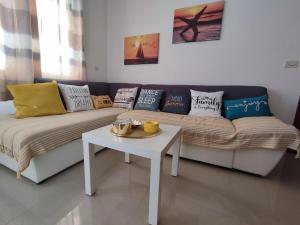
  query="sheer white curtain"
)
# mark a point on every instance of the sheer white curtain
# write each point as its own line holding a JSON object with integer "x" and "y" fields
{"x": 61, "y": 42}
{"x": 17, "y": 43}
{"x": 40, "y": 38}
{"x": 2, "y": 56}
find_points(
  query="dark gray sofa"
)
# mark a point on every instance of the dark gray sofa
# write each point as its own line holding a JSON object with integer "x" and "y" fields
{"x": 230, "y": 91}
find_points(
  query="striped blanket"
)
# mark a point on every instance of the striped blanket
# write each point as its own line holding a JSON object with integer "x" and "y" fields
{"x": 23, "y": 139}
{"x": 220, "y": 133}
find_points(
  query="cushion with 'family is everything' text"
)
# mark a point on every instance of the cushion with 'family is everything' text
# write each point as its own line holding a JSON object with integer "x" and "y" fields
{"x": 206, "y": 103}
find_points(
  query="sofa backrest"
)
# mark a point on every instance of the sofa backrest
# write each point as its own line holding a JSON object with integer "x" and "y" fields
{"x": 113, "y": 88}
{"x": 230, "y": 91}
{"x": 96, "y": 88}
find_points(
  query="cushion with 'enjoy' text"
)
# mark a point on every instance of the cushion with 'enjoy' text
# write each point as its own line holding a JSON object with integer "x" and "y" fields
{"x": 247, "y": 107}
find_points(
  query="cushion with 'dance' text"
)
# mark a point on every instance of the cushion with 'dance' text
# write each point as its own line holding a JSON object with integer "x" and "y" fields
{"x": 247, "y": 107}
{"x": 206, "y": 103}
{"x": 149, "y": 99}
{"x": 177, "y": 103}
{"x": 77, "y": 98}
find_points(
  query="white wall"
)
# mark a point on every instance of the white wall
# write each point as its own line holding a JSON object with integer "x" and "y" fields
{"x": 257, "y": 37}
{"x": 94, "y": 23}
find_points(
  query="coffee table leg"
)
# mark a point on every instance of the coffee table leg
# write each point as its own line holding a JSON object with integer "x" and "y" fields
{"x": 89, "y": 160}
{"x": 127, "y": 157}
{"x": 175, "y": 159}
{"x": 155, "y": 183}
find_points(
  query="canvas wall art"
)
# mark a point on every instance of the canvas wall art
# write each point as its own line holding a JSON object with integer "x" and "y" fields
{"x": 141, "y": 49}
{"x": 198, "y": 23}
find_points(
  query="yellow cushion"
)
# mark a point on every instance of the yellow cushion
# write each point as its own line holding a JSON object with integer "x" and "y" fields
{"x": 36, "y": 99}
{"x": 102, "y": 101}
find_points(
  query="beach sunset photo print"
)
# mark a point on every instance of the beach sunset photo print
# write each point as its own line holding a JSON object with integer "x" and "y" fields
{"x": 198, "y": 23}
{"x": 141, "y": 49}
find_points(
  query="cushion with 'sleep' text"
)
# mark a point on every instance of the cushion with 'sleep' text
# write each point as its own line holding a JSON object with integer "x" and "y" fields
{"x": 149, "y": 99}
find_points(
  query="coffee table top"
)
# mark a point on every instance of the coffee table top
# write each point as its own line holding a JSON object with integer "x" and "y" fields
{"x": 146, "y": 147}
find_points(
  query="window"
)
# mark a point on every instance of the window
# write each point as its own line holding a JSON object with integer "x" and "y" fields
{"x": 2, "y": 57}
{"x": 53, "y": 36}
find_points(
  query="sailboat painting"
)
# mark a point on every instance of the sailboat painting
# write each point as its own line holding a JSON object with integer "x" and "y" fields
{"x": 141, "y": 49}
{"x": 198, "y": 23}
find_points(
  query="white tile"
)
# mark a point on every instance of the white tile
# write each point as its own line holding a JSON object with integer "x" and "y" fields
{"x": 2, "y": 222}
{"x": 201, "y": 194}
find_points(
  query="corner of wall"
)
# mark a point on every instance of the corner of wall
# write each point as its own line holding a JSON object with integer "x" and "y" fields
{"x": 95, "y": 27}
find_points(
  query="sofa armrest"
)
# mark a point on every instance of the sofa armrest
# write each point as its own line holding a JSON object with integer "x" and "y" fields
{"x": 7, "y": 108}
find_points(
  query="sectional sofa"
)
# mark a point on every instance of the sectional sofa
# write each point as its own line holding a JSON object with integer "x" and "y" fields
{"x": 252, "y": 160}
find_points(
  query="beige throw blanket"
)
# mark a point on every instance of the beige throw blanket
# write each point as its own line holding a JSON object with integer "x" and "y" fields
{"x": 23, "y": 139}
{"x": 220, "y": 133}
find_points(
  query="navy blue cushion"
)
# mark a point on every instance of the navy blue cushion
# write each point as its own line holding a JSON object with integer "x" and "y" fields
{"x": 149, "y": 99}
{"x": 177, "y": 102}
{"x": 247, "y": 107}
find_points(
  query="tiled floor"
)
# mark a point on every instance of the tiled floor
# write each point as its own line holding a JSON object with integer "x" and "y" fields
{"x": 202, "y": 194}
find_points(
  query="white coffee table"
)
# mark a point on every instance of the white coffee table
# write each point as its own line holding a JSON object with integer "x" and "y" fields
{"x": 153, "y": 148}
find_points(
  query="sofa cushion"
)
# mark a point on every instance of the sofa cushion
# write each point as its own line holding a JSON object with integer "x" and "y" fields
{"x": 19, "y": 140}
{"x": 221, "y": 133}
{"x": 125, "y": 98}
{"x": 149, "y": 99}
{"x": 77, "y": 98}
{"x": 265, "y": 132}
{"x": 102, "y": 101}
{"x": 206, "y": 103}
{"x": 212, "y": 132}
{"x": 36, "y": 99}
{"x": 7, "y": 108}
{"x": 247, "y": 107}
{"x": 177, "y": 102}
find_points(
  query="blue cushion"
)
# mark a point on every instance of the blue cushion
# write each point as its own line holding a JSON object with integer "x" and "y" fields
{"x": 177, "y": 102}
{"x": 149, "y": 99}
{"x": 247, "y": 107}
